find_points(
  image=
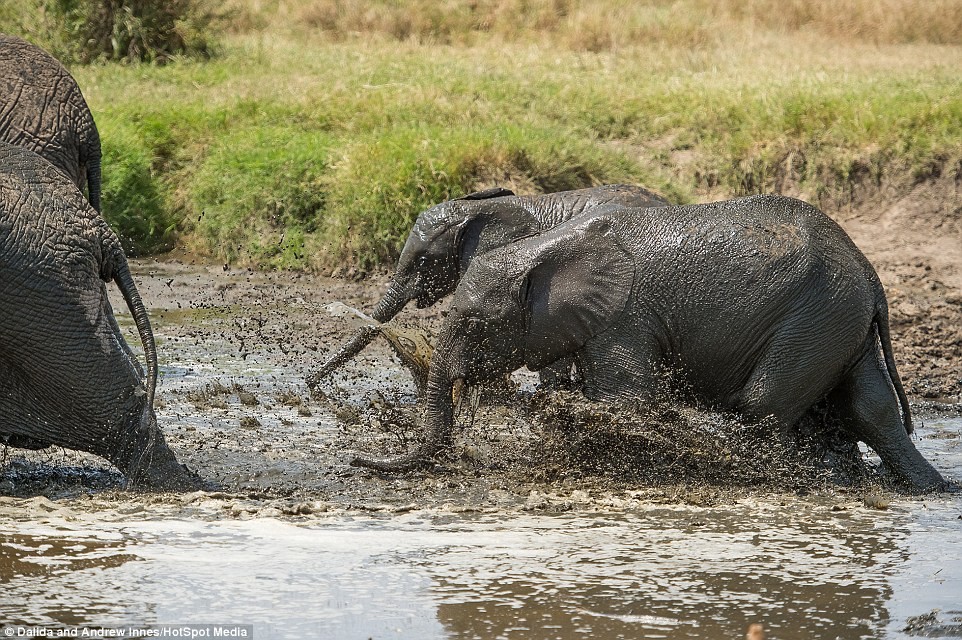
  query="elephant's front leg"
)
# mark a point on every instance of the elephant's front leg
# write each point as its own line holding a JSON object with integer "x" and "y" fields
{"x": 616, "y": 367}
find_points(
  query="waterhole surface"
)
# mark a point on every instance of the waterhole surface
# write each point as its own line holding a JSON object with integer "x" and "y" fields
{"x": 800, "y": 568}
{"x": 299, "y": 545}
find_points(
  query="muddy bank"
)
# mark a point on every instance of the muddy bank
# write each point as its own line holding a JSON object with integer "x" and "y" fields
{"x": 912, "y": 233}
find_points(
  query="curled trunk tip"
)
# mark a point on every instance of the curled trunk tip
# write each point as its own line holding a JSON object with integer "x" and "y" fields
{"x": 437, "y": 422}
{"x": 420, "y": 457}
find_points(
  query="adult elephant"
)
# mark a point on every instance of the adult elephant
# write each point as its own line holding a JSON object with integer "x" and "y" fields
{"x": 446, "y": 237}
{"x": 67, "y": 376}
{"x": 42, "y": 109}
{"x": 763, "y": 305}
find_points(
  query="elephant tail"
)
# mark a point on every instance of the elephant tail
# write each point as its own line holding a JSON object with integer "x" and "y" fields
{"x": 94, "y": 183}
{"x": 882, "y": 326}
{"x": 91, "y": 154}
{"x": 125, "y": 282}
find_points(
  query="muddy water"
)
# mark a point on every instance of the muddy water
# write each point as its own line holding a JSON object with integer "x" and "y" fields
{"x": 300, "y": 545}
{"x": 799, "y": 567}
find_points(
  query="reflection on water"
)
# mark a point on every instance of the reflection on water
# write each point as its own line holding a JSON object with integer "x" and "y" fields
{"x": 69, "y": 559}
{"x": 676, "y": 574}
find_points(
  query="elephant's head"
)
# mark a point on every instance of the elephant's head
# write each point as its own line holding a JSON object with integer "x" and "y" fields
{"x": 529, "y": 303}
{"x": 442, "y": 243}
{"x": 445, "y": 239}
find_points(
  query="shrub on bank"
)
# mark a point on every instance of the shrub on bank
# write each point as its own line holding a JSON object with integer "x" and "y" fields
{"x": 123, "y": 30}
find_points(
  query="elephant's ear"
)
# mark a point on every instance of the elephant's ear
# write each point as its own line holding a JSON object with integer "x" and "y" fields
{"x": 489, "y": 226}
{"x": 493, "y": 192}
{"x": 578, "y": 286}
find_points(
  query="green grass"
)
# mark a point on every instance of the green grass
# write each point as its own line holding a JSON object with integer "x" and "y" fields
{"x": 293, "y": 150}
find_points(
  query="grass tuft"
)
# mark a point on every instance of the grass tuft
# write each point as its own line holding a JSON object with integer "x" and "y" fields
{"x": 259, "y": 194}
{"x": 605, "y": 25}
{"x": 133, "y": 202}
{"x": 384, "y": 180}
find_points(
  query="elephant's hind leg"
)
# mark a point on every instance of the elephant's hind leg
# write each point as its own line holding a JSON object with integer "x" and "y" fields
{"x": 868, "y": 406}
{"x": 783, "y": 385}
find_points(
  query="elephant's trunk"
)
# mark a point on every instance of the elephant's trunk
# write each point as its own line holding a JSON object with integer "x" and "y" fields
{"x": 389, "y": 306}
{"x": 436, "y": 424}
{"x": 94, "y": 182}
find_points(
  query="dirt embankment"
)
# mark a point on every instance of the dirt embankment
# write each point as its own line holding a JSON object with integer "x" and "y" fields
{"x": 912, "y": 233}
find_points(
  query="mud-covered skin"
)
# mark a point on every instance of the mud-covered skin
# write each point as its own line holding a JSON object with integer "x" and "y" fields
{"x": 67, "y": 376}
{"x": 43, "y": 110}
{"x": 764, "y": 305}
{"x": 446, "y": 238}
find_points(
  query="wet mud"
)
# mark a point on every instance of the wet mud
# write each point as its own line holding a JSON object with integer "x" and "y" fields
{"x": 236, "y": 348}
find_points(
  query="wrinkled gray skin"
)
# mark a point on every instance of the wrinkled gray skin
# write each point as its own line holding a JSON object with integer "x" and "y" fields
{"x": 42, "y": 109}
{"x": 67, "y": 376}
{"x": 447, "y": 237}
{"x": 763, "y": 304}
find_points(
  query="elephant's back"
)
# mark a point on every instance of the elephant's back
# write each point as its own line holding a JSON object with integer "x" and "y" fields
{"x": 730, "y": 279}
{"x": 552, "y": 209}
{"x": 766, "y": 232}
{"x": 42, "y": 213}
{"x": 28, "y": 172}
{"x": 42, "y": 107}
{"x": 26, "y": 66}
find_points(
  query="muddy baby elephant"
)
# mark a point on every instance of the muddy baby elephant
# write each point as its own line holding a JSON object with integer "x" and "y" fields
{"x": 42, "y": 109}
{"x": 763, "y": 305}
{"x": 67, "y": 376}
{"x": 446, "y": 237}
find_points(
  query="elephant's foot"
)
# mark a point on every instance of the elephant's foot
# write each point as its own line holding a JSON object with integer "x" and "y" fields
{"x": 928, "y": 480}
{"x": 23, "y": 442}
{"x": 171, "y": 476}
{"x": 150, "y": 465}
{"x": 557, "y": 375}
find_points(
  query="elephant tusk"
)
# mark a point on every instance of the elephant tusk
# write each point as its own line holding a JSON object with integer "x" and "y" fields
{"x": 457, "y": 391}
